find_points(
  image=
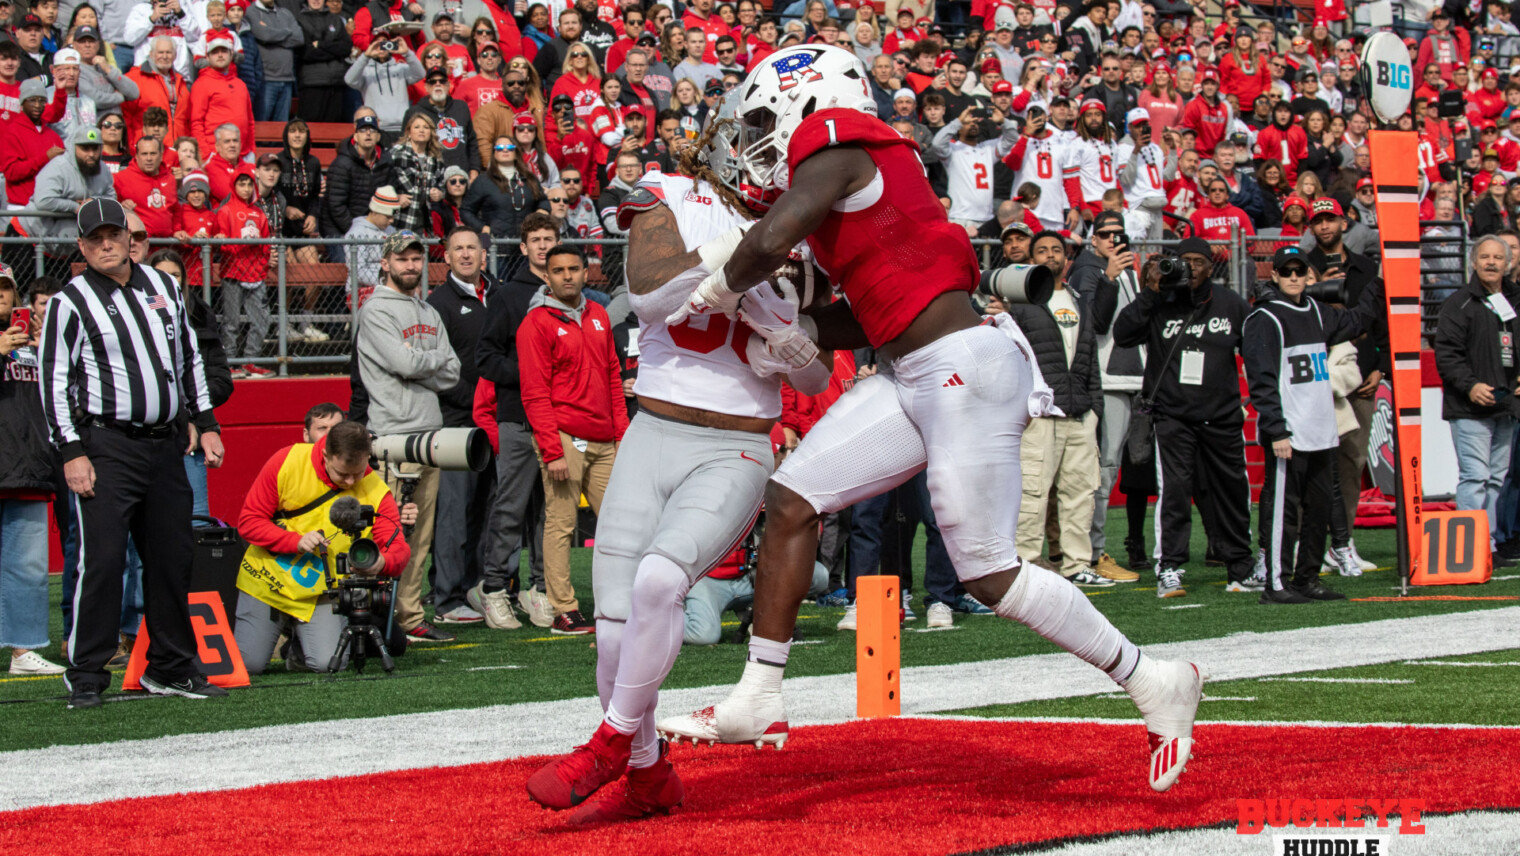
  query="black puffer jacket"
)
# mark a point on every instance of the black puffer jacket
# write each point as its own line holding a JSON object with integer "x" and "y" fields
{"x": 325, "y": 46}
{"x": 1078, "y": 387}
{"x": 208, "y": 340}
{"x": 351, "y": 181}
{"x": 29, "y": 462}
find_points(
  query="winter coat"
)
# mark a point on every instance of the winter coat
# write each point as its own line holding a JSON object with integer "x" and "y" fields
{"x": 496, "y": 352}
{"x": 464, "y": 317}
{"x": 23, "y": 153}
{"x": 487, "y": 206}
{"x": 414, "y": 174}
{"x": 456, "y": 131}
{"x": 59, "y": 188}
{"x": 107, "y": 88}
{"x": 1077, "y": 385}
{"x": 154, "y": 91}
{"x": 239, "y": 219}
{"x": 301, "y": 183}
{"x": 325, "y": 46}
{"x": 351, "y": 181}
{"x": 1468, "y": 351}
{"x": 28, "y": 464}
{"x": 571, "y": 378}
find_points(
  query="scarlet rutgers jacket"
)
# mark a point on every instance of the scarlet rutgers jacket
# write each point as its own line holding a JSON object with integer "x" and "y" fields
{"x": 1217, "y": 318}
{"x": 571, "y": 378}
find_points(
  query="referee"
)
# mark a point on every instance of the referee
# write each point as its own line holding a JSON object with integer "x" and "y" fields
{"x": 119, "y": 363}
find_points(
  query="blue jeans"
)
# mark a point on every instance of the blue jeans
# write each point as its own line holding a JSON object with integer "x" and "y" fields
{"x": 868, "y": 530}
{"x": 1482, "y": 462}
{"x": 273, "y": 103}
{"x": 195, "y": 471}
{"x": 709, "y": 598}
{"x": 1508, "y": 505}
{"x": 23, "y": 574}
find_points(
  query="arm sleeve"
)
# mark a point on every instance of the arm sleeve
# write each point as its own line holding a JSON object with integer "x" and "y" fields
{"x": 414, "y": 70}
{"x": 1105, "y": 303}
{"x": 533, "y": 369}
{"x": 940, "y": 149}
{"x": 1345, "y": 325}
{"x": 1132, "y": 325}
{"x": 52, "y": 194}
{"x": 58, "y": 354}
{"x": 447, "y": 375}
{"x": 354, "y": 77}
{"x": 1262, "y": 352}
{"x": 256, "y": 520}
{"x": 194, "y": 385}
{"x": 392, "y": 540}
{"x": 496, "y": 353}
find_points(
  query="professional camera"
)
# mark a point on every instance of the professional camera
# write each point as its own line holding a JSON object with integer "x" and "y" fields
{"x": 1328, "y": 291}
{"x": 1176, "y": 274}
{"x": 364, "y": 601}
{"x": 445, "y": 449}
{"x": 1033, "y": 284}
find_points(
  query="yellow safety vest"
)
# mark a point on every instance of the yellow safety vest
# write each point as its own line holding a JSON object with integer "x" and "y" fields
{"x": 292, "y": 583}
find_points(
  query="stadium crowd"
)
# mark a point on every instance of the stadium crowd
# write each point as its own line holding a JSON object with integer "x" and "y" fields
{"x": 1071, "y": 134}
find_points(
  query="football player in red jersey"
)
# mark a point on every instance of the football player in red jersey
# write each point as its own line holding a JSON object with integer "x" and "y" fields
{"x": 955, "y": 399}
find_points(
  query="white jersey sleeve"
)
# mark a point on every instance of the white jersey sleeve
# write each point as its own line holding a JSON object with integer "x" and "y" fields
{"x": 701, "y": 362}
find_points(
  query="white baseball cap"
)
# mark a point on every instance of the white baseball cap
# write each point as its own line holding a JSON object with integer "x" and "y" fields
{"x": 219, "y": 43}
{"x": 67, "y": 56}
{"x": 1137, "y": 115}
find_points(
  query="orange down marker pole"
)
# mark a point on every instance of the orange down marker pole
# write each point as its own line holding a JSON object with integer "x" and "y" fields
{"x": 878, "y": 646}
{"x": 1396, "y": 179}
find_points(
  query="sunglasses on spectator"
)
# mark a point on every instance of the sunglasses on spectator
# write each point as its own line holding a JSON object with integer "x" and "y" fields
{"x": 490, "y": 53}
{"x": 139, "y": 236}
{"x": 111, "y": 126}
{"x": 580, "y": 55}
{"x": 506, "y": 147}
{"x": 563, "y": 180}
{"x": 514, "y": 83}
{"x": 557, "y": 199}
{"x": 458, "y": 181}
{"x": 1108, "y": 235}
{"x": 722, "y": 51}
{"x": 1293, "y": 271}
{"x": 482, "y": 32}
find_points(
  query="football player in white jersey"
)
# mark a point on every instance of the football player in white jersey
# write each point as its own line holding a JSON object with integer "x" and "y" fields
{"x": 1093, "y": 154}
{"x": 691, "y": 474}
{"x": 1039, "y": 158}
{"x": 969, "y": 159}
{"x": 1143, "y": 167}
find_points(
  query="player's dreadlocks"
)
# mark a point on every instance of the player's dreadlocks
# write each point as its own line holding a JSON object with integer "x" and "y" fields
{"x": 690, "y": 164}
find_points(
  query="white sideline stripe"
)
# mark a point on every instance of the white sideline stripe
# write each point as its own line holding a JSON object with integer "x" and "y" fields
{"x": 244, "y": 758}
{"x": 1445, "y": 835}
{"x": 1186, "y": 606}
{"x": 1463, "y": 663}
{"x": 1338, "y": 680}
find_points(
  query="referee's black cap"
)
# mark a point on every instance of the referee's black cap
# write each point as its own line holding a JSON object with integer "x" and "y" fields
{"x": 100, "y": 212}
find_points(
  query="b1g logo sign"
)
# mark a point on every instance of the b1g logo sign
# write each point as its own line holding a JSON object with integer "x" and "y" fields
{"x": 1394, "y": 75}
{"x": 1308, "y": 368}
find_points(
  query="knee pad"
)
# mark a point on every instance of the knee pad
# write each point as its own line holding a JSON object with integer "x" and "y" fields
{"x": 659, "y": 584}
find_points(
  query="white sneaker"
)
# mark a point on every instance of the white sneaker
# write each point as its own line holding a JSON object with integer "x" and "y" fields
{"x": 848, "y": 622}
{"x": 312, "y": 334}
{"x": 1360, "y": 562}
{"x": 496, "y": 606}
{"x": 758, "y": 718}
{"x": 1345, "y": 563}
{"x": 940, "y": 615}
{"x": 459, "y": 615}
{"x": 293, "y": 334}
{"x": 1085, "y": 578}
{"x": 1169, "y": 583}
{"x": 31, "y": 663}
{"x": 536, "y": 604}
{"x": 1167, "y": 693}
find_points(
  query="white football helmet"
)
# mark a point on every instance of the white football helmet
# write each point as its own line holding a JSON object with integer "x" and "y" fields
{"x": 787, "y": 87}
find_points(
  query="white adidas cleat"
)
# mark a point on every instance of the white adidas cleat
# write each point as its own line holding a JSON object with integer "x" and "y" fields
{"x": 1167, "y": 693}
{"x": 760, "y": 720}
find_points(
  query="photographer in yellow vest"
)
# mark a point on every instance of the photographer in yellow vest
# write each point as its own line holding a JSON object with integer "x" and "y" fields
{"x": 282, "y": 584}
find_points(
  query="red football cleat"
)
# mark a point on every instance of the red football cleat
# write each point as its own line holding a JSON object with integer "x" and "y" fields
{"x": 568, "y": 781}
{"x": 644, "y": 792}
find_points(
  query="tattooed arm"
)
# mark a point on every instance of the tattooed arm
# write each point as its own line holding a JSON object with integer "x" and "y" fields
{"x": 656, "y": 252}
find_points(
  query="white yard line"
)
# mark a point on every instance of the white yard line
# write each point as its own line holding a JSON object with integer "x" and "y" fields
{"x": 319, "y": 750}
{"x": 1462, "y": 663}
{"x": 1337, "y": 680}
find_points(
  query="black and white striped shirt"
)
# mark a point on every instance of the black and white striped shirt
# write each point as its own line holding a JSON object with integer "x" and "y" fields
{"x": 123, "y": 352}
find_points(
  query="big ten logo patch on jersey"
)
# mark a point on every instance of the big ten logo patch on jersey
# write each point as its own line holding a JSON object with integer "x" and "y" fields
{"x": 697, "y": 198}
{"x": 1308, "y": 367}
{"x": 450, "y": 133}
{"x": 1066, "y": 318}
{"x": 796, "y": 69}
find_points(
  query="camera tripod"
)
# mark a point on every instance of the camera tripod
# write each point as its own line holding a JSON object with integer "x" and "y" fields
{"x": 359, "y": 629}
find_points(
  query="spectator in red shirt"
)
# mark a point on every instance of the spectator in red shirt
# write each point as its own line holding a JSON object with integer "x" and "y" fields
{"x": 571, "y": 144}
{"x": 1243, "y": 71}
{"x": 572, "y": 391}
{"x": 1208, "y": 115}
{"x": 699, "y": 14}
{"x": 244, "y": 267}
{"x": 159, "y": 85}
{"x": 1215, "y": 217}
{"x": 27, "y": 144}
{"x": 1283, "y": 141}
{"x": 223, "y": 163}
{"x": 220, "y": 98}
{"x": 194, "y": 218}
{"x": 1444, "y": 47}
{"x": 147, "y": 189}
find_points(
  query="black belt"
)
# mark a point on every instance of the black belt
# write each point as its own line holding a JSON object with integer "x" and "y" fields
{"x": 131, "y": 429}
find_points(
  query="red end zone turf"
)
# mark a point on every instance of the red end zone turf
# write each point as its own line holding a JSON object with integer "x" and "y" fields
{"x": 900, "y": 786}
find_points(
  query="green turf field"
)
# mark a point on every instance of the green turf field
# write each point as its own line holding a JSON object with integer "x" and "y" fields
{"x": 488, "y": 667}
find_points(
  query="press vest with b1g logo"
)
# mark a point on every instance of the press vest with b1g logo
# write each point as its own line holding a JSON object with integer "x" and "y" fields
{"x": 1303, "y": 379}
{"x": 289, "y": 582}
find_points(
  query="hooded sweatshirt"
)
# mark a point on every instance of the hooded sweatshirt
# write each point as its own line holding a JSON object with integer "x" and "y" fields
{"x": 278, "y": 34}
{"x": 107, "y": 88}
{"x": 384, "y": 86}
{"x": 156, "y": 200}
{"x": 195, "y": 222}
{"x": 217, "y": 98}
{"x": 405, "y": 360}
{"x": 60, "y": 185}
{"x": 239, "y": 219}
{"x": 571, "y": 378}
